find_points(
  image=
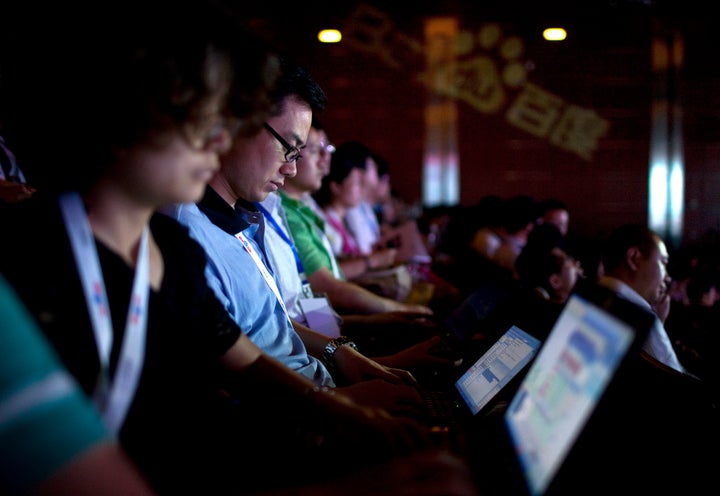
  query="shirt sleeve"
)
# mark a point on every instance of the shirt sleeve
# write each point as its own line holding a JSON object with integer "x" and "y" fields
{"x": 45, "y": 419}
{"x": 309, "y": 247}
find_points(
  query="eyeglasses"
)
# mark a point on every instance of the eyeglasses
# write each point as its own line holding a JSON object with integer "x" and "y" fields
{"x": 292, "y": 153}
{"x": 322, "y": 146}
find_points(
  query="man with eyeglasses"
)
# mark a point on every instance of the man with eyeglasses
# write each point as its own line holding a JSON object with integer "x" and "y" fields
{"x": 232, "y": 230}
{"x": 400, "y": 338}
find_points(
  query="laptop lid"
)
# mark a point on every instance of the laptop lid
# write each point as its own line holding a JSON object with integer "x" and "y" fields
{"x": 595, "y": 333}
{"x": 496, "y": 368}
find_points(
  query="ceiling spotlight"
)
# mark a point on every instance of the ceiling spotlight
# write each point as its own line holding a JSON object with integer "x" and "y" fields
{"x": 329, "y": 36}
{"x": 554, "y": 34}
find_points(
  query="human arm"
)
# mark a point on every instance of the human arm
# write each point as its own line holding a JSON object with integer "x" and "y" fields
{"x": 349, "y": 362}
{"x": 52, "y": 439}
{"x": 411, "y": 326}
{"x": 348, "y": 297}
{"x": 378, "y": 259}
{"x": 431, "y": 353}
{"x": 326, "y": 413}
{"x": 363, "y": 379}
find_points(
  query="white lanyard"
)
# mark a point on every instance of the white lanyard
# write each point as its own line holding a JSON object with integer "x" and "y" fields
{"x": 263, "y": 270}
{"x": 112, "y": 396}
{"x": 306, "y": 289}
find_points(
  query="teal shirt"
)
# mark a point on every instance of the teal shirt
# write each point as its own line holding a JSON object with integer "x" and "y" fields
{"x": 45, "y": 418}
{"x": 306, "y": 228}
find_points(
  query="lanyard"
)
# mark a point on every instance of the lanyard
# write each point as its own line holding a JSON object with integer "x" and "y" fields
{"x": 306, "y": 290}
{"x": 263, "y": 270}
{"x": 112, "y": 396}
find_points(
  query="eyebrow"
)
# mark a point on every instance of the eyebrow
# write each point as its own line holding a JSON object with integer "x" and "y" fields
{"x": 300, "y": 144}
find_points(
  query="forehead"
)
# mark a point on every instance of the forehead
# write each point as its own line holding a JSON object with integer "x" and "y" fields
{"x": 315, "y": 135}
{"x": 355, "y": 175}
{"x": 661, "y": 249}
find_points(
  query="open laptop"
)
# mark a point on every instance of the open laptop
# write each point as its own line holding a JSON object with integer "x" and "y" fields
{"x": 551, "y": 426}
{"x": 478, "y": 386}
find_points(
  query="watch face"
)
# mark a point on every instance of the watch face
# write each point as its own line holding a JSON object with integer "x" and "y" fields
{"x": 332, "y": 346}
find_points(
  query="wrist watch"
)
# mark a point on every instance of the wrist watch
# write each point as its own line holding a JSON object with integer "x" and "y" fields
{"x": 328, "y": 356}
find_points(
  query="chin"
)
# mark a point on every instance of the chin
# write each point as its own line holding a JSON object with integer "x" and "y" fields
{"x": 193, "y": 196}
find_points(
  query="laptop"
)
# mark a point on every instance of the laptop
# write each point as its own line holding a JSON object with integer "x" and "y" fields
{"x": 478, "y": 386}
{"x": 550, "y": 435}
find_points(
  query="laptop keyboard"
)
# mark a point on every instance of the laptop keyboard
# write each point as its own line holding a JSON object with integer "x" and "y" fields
{"x": 441, "y": 409}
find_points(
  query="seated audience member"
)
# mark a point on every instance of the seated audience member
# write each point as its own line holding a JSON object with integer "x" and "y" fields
{"x": 554, "y": 211}
{"x": 662, "y": 421}
{"x": 342, "y": 190}
{"x": 396, "y": 230}
{"x": 635, "y": 263}
{"x": 487, "y": 280}
{"x": 390, "y": 209}
{"x": 546, "y": 277}
{"x": 233, "y": 231}
{"x": 375, "y": 334}
{"x": 469, "y": 236}
{"x": 399, "y": 228}
{"x": 519, "y": 215}
{"x": 58, "y": 443}
{"x": 360, "y": 219}
{"x": 123, "y": 299}
{"x": 586, "y": 251}
{"x": 380, "y": 271}
{"x": 694, "y": 326}
{"x": 52, "y": 439}
{"x": 485, "y": 225}
{"x": 318, "y": 259}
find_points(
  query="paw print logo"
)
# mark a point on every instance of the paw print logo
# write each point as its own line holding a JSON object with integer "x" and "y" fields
{"x": 479, "y": 78}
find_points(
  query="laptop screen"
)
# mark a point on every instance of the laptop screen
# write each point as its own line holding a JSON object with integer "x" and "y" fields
{"x": 563, "y": 386}
{"x": 496, "y": 367}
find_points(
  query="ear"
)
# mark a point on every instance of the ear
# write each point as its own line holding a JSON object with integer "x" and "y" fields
{"x": 632, "y": 257}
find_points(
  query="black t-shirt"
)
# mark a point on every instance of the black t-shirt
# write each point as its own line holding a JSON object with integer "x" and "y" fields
{"x": 174, "y": 414}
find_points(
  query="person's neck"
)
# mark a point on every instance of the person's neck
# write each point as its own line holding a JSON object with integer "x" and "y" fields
{"x": 338, "y": 209}
{"x": 117, "y": 219}
{"x": 222, "y": 187}
{"x": 292, "y": 191}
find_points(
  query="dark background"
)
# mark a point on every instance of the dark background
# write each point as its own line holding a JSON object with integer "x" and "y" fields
{"x": 604, "y": 65}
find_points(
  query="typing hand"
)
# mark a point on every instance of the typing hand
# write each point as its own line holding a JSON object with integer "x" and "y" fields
{"x": 401, "y": 400}
{"x": 431, "y": 353}
{"x": 355, "y": 426}
{"x": 356, "y": 367}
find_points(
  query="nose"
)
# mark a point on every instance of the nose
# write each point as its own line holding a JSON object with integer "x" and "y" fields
{"x": 289, "y": 169}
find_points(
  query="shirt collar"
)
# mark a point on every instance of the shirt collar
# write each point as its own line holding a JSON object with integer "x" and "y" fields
{"x": 624, "y": 290}
{"x": 221, "y": 214}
